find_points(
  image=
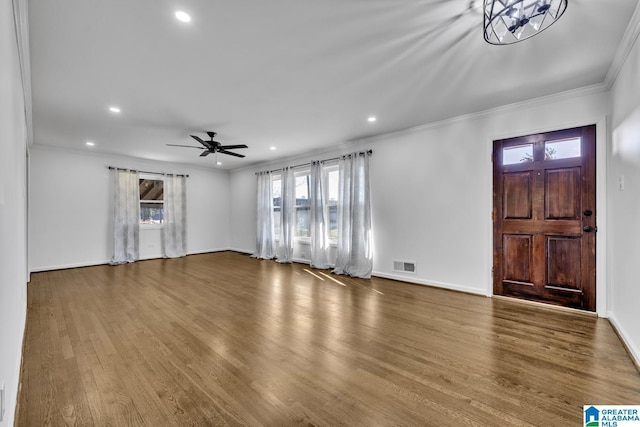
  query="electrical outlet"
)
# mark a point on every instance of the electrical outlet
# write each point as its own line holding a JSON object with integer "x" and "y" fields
{"x": 2, "y": 401}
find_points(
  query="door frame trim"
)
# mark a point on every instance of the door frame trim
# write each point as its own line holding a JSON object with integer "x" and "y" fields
{"x": 602, "y": 161}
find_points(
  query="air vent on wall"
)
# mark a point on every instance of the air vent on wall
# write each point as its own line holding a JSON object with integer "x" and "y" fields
{"x": 404, "y": 266}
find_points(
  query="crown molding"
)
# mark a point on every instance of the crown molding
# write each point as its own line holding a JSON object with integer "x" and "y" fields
{"x": 624, "y": 48}
{"x": 21, "y": 27}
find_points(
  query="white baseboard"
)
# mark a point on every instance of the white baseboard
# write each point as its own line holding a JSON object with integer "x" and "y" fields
{"x": 242, "y": 251}
{"x": 65, "y": 266}
{"x": 147, "y": 258}
{"x": 104, "y": 262}
{"x": 633, "y": 350}
{"x": 432, "y": 283}
{"x": 207, "y": 251}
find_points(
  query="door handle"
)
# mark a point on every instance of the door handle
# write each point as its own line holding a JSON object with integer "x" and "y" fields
{"x": 587, "y": 229}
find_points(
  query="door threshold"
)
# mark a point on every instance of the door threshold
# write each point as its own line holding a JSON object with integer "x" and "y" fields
{"x": 547, "y": 306}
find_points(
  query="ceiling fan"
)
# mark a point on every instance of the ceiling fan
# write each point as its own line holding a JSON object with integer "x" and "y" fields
{"x": 212, "y": 146}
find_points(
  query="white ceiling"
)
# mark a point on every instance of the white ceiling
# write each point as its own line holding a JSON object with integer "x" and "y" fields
{"x": 296, "y": 74}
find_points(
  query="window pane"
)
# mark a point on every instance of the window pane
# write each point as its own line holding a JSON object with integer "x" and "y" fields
{"x": 302, "y": 188}
{"x": 332, "y": 188}
{"x": 566, "y": 149}
{"x": 303, "y": 215}
{"x": 517, "y": 154}
{"x": 151, "y": 201}
{"x": 303, "y": 221}
{"x": 276, "y": 222}
{"x": 333, "y": 222}
{"x": 276, "y": 191}
{"x": 151, "y": 213}
{"x": 332, "y": 203}
{"x": 151, "y": 189}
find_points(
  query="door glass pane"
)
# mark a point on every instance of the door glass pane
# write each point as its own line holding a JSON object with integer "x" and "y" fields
{"x": 565, "y": 149}
{"x": 517, "y": 154}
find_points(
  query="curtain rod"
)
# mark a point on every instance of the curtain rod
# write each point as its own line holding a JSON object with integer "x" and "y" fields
{"x": 152, "y": 173}
{"x": 361, "y": 153}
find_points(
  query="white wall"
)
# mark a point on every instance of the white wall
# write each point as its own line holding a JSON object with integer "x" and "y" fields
{"x": 432, "y": 189}
{"x": 625, "y": 205}
{"x": 71, "y": 208}
{"x": 13, "y": 257}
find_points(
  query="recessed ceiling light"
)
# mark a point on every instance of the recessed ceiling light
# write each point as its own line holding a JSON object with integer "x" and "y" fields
{"x": 114, "y": 109}
{"x": 90, "y": 144}
{"x": 371, "y": 119}
{"x": 219, "y": 163}
{"x": 272, "y": 148}
{"x": 183, "y": 16}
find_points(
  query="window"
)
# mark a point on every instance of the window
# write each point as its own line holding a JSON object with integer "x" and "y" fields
{"x": 564, "y": 149}
{"x": 303, "y": 210}
{"x": 553, "y": 150}
{"x": 332, "y": 201}
{"x": 517, "y": 154}
{"x": 302, "y": 205}
{"x": 151, "y": 201}
{"x": 277, "y": 204}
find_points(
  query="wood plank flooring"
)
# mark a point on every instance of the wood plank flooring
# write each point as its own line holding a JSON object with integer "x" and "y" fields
{"x": 223, "y": 339}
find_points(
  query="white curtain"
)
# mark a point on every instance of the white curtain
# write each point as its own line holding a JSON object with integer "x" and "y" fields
{"x": 287, "y": 216}
{"x": 174, "y": 229}
{"x": 319, "y": 229}
{"x": 126, "y": 216}
{"x": 355, "y": 252}
{"x": 265, "y": 239}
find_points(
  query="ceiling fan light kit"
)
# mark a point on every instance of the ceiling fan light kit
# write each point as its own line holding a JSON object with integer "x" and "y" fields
{"x": 511, "y": 21}
{"x": 212, "y": 146}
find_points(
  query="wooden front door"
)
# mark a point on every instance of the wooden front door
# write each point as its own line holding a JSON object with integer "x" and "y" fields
{"x": 544, "y": 218}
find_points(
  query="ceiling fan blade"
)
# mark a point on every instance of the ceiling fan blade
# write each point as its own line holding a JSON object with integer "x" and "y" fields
{"x": 205, "y": 153}
{"x": 230, "y": 153}
{"x": 211, "y": 134}
{"x": 205, "y": 143}
{"x": 188, "y": 146}
{"x": 232, "y": 147}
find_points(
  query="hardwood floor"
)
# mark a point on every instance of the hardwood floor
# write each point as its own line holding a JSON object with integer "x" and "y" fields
{"x": 223, "y": 339}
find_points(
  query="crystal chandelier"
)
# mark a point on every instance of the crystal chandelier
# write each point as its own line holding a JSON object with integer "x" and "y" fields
{"x": 511, "y": 21}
